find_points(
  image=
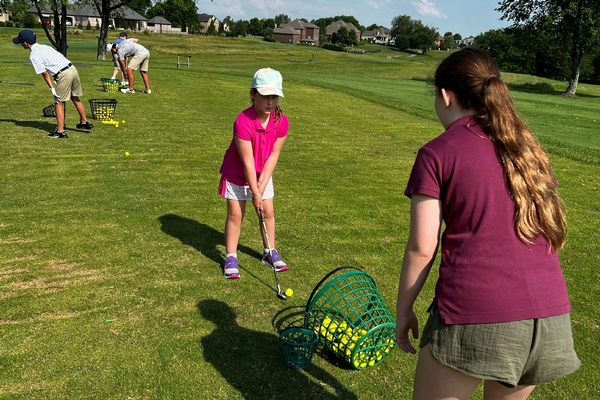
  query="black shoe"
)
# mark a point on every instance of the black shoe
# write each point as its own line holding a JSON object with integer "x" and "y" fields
{"x": 87, "y": 125}
{"x": 58, "y": 135}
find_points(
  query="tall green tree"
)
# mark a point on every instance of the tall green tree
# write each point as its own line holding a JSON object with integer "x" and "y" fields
{"x": 181, "y": 13}
{"x": 281, "y": 19}
{"x": 255, "y": 27}
{"x": 107, "y": 9}
{"x": 58, "y": 38}
{"x": 411, "y": 33}
{"x": 575, "y": 21}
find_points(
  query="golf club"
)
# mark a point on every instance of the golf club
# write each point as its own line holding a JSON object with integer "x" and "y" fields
{"x": 263, "y": 228}
{"x": 16, "y": 83}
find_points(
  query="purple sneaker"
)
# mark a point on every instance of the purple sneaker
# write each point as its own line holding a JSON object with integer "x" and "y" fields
{"x": 276, "y": 262}
{"x": 230, "y": 268}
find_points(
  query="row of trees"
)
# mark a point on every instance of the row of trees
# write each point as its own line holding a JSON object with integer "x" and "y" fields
{"x": 550, "y": 38}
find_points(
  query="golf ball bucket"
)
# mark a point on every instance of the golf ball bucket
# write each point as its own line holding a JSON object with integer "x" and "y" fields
{"x": 299, "y": 345}
{"x": 103, "y": 109}
{"x": 110, "y": 85}
{"x": 49, "y": 111}
{"x": 348, "y": 315}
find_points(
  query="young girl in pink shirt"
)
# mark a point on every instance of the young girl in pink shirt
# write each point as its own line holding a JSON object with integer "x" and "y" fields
{"x": 259, "y": 133}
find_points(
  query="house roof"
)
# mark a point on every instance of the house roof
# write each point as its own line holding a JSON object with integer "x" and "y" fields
{"x": 286, "y": 30}
{"x": 204, "y": 17}
{"x": 158, "y": 21}
{"x": 299, "y": 24}
{"x": 86, "y": 10}
{"x": 376, "y": 33}
{"x": 335, "y": 26}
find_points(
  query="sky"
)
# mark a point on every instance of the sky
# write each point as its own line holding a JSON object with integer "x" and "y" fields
{"x": 466, "y": 17}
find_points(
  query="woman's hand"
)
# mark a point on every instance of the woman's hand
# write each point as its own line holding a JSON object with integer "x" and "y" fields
{"x": 404, "y": 324}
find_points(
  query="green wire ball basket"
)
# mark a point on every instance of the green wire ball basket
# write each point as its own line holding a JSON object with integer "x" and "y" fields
{"x": 299, "y": 346}
{"x": 347, "y": 313}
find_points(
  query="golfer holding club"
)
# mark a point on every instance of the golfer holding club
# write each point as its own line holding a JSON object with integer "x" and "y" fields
{"x": 259, "y": 133}
{"x": 501, "y": 311}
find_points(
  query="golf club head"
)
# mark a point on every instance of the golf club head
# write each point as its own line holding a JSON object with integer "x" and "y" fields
{"x": 281, "y": 296}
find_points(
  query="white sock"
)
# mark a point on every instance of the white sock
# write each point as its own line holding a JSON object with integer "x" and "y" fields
{"x": 234, "y": 255}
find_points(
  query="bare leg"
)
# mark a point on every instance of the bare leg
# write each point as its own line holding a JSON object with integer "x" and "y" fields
{"x": 60, "y": 116}
{"x": 80, "y": 109}
{"x": 436, "y": 381}
{"x": 494, "y": 391}
{"x": 130, "y": 77}
{"x": 144, "y": 75}
{"x": 233, "y": 224}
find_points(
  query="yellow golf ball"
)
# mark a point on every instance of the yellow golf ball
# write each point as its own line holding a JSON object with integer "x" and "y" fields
{"x": 289, "y": 292}
{"x": 127, "y": 153}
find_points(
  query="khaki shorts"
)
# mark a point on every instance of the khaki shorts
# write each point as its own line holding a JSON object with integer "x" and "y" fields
{"x": 140, "y": 62}
{"x": 528, "y": 352}
{"x": 115, "y": 58}
{"x": 68, "y": 84}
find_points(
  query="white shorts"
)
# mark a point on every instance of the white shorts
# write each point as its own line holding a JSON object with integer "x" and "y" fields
{"x": 243, "y": 193}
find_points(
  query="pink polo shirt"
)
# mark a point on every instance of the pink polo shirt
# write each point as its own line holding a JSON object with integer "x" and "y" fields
{"x": 248, "y": 127}
{"x": 487, "y": 274}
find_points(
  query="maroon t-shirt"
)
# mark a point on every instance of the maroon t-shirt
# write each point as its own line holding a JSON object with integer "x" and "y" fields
{"x": 487, "y": 274}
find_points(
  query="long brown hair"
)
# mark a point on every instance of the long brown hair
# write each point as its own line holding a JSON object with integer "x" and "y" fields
{"x": 475, "y": 79}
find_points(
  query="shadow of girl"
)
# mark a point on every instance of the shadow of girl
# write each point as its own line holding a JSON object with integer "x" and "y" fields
{"x": 252, "y": 362}
{"x": 201, "y": 237}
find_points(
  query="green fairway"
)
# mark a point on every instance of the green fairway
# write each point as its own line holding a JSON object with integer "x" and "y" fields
{"x": 110, "y": 278}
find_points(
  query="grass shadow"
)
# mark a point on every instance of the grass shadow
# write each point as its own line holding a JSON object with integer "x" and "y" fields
{"x": 204, "y": 239}
{"x": 252, "y": 362}
{"x": 38, "y": 125}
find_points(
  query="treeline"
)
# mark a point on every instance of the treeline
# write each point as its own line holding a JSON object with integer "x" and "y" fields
{"x": 527, "y": 50}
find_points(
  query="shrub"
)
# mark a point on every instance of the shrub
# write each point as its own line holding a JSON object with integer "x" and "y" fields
{"x": 29, "y": 21}
{"x": 80, "y": 26}
{"x": 88, "y": 26}
{"x": 270, "y": 39}
{"x": 9, "y": 24}
{"x": 333, "y": 47}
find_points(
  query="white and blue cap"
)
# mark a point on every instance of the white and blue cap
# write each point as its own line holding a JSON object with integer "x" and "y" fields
{"x": 268, "y": 82}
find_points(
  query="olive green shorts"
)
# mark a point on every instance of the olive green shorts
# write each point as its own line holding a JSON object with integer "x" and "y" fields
{"x": 528, "y": 352}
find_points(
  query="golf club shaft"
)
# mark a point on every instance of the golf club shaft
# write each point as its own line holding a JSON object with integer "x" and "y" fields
{"x": 16, "y": 83}
{"x": 263, "y": 226}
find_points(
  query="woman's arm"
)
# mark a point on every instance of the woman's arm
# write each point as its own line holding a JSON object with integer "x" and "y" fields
{"x": 421, "y": 248}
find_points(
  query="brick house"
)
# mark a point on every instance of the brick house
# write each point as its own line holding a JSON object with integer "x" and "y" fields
{"x": 309, "y": 33}
{"x": 287, "y": 34}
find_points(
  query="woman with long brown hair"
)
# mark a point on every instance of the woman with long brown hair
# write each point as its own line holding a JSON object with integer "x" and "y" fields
{"x": 501, "y": 309}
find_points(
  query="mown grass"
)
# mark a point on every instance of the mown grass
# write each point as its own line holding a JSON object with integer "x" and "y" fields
{"x": 110, "y": 286}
